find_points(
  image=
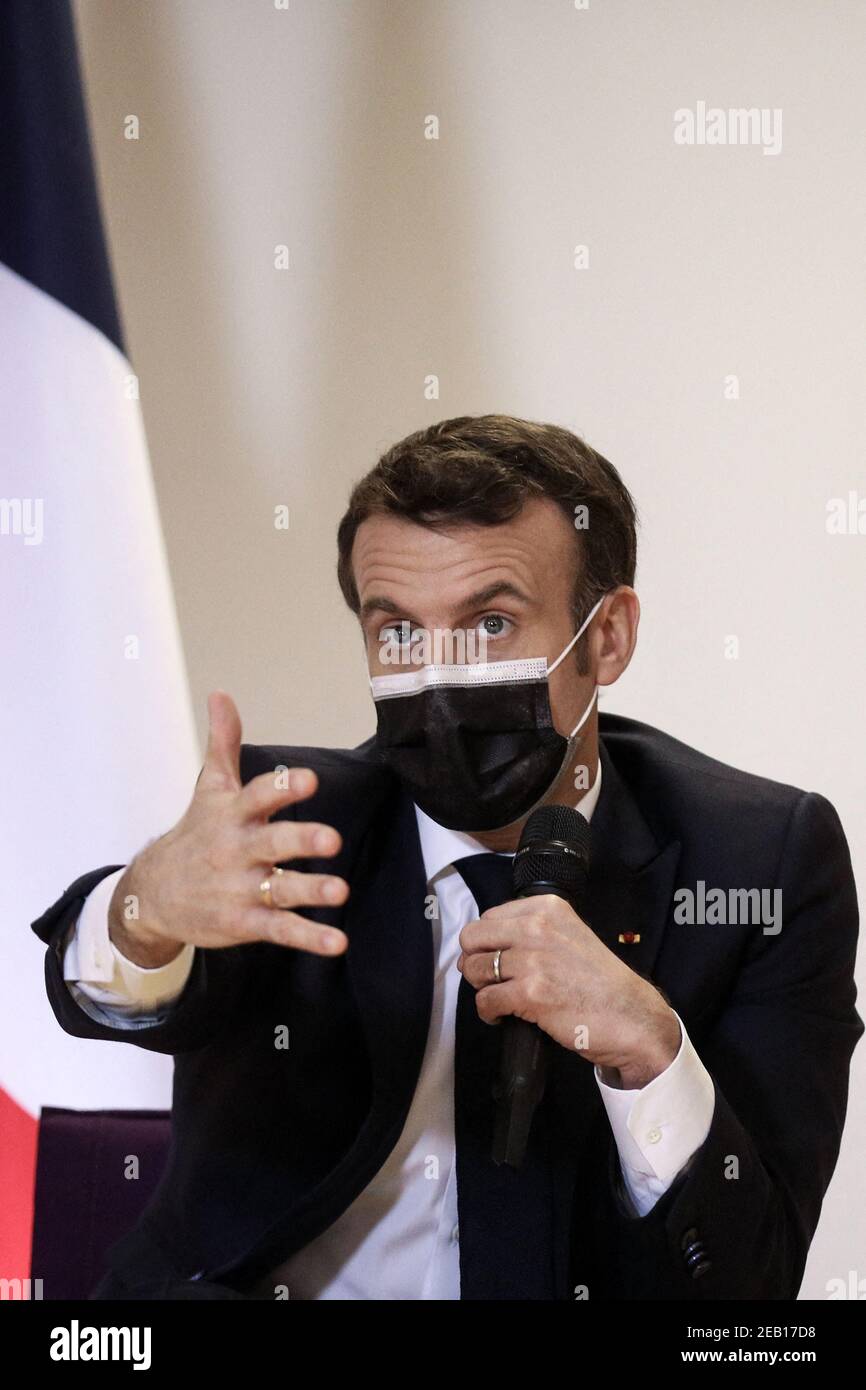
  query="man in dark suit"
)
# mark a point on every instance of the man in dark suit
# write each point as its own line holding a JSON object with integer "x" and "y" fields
{"x": 330, "y": 985}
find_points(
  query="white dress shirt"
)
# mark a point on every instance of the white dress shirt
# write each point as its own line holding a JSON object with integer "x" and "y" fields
{"x": 399, "y": 1239}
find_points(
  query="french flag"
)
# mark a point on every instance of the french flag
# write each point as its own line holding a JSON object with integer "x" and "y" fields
{"x": 99, "y": 752}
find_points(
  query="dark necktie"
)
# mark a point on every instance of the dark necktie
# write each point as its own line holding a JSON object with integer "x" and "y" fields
{"x": 479, "y": 1045}
{"x": 503, "y": 1214}
{"x": 488, "y": 878}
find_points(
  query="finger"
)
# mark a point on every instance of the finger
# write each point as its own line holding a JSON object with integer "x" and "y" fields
{"x": 288, "y": 929}
{"x": 294, "y": 889}
{"x": 495, "y": 1002}
{"x": 270, "y": 791}
{"x": 288, "y": 839}
{"x": 222, "y": 763}
{"x": 478, "y": 968}
{"x": 543, "y": 906}
{"x": 521, "y": 906}
{"x": 487, "y": 934}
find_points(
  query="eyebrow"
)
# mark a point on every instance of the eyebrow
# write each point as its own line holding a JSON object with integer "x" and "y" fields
{"x": 380, "y": 603}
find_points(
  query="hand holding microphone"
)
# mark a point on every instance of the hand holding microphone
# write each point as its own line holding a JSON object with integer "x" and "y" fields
{"x": 557, "y": 978}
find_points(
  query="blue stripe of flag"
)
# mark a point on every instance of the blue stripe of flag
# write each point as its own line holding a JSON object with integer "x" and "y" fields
{"x": 50, "y": 224}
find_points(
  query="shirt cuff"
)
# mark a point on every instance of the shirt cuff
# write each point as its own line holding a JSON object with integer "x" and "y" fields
{"x": 658, "y": 1127}
{"x": 92, "y": 960}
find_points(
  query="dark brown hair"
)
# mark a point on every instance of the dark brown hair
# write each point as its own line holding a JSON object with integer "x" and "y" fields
{"x": 481, "y": 469}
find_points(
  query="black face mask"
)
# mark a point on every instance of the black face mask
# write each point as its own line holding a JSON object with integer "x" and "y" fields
{"x": 475, "y": 745}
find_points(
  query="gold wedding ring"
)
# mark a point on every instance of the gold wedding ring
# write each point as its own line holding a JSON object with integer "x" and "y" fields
{"x": 496, "y": 959}
{"x": 265, "y": 887}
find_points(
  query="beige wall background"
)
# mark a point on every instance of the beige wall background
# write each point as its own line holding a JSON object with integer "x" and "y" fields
{"x": 453, "y": 258}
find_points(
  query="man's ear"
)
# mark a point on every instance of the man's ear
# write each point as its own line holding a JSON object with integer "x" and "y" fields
{"x": 616, "y": 634}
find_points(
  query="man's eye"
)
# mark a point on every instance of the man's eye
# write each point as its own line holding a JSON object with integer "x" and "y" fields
{"x": 495, "y": 625}
{"x": 401, "y": 633}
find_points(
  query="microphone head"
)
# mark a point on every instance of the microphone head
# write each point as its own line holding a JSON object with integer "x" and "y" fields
{"x": 554, "y": 848}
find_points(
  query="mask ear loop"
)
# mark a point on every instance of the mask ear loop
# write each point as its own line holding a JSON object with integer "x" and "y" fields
{"x": 580, "y": 631}
{"x": 586, "y": 713}
{"x": 584, "y": 625}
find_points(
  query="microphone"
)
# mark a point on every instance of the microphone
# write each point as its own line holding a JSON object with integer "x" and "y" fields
{"x": 552, "y": 857}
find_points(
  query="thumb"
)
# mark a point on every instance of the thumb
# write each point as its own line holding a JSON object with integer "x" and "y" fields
{"x": 222, "y": 763}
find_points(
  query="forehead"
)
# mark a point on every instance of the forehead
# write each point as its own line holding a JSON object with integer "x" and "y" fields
{"x": 415, "y": 565}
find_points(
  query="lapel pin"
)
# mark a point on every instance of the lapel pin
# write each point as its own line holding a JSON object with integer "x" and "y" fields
{"x": 629, "y": 938}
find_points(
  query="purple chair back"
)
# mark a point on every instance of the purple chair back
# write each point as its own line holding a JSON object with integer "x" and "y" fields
{"x": 87, "y": 1194}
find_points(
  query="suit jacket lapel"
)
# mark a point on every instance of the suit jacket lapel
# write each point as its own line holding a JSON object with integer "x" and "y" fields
{"x": 390, "y": 958}
{"x": 629, "y": 890}
{"x": 631, "y": 874}
{"x": 389, "y": 964}
{"x": 390, "y": 970}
